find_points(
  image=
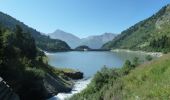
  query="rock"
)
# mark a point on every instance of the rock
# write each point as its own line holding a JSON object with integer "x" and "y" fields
{"x": 82, "y": 48}
{"x": 55, "y": 85}
{"x": 74, "y": 75}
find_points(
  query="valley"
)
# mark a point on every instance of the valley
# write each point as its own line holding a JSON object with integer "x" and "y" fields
{"x": 132, "y": 65}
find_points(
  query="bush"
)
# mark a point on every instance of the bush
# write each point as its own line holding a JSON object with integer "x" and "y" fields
{"x": 35, "y": 73}
{"x": 136, "y": 61}
{"x": 126, "y": 68}
{"x": 148, "y": 58}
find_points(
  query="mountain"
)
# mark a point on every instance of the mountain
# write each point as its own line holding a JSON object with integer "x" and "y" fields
{"x": 72, "y": 40}
{"x": 151, "y": 34}
{"x": 42, "y": 41}
{"x": 94, "y": 42}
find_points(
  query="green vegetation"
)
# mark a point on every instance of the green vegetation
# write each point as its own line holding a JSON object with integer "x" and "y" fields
{"x": 22, "y": 66}
{"x": 149, "y": 81}
{"x": 161, "y": 44}
{"x": 148, "y": 58}
{"x": 51, "y": 45}
{"x": 152, "y": 34}
{"x": 42, "y": 41}
{"x": 82, "y": 48}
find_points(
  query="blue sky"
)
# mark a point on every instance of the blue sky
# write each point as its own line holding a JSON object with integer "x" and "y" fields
{"x": 81, "y": 17}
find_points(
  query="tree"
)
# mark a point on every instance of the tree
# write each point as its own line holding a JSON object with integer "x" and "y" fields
{"x": 161, "y": 44}
{"x": 98, "y": 81}
{"x": 127, "y": 63}
{"x": 136, "y": 61}
{"x": 25, "y": 42}
{"x": 148, "y": 58}
{"x": 1, "y": 46}
{"x": 126, "y": 67}
{"x": 1, "y": 40}
{"x": 9, "y": 40}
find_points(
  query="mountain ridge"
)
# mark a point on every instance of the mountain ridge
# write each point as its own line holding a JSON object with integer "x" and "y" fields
{"x": 69, "y": 38}
{"x": 141, "y": 35}
{"x": 94, "y": 41}
{"x": 42, "y": 41}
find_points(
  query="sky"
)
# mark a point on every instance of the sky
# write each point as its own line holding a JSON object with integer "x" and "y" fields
{"x": 81, "y": 17}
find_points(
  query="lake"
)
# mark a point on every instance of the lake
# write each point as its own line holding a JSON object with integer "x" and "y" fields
{"x": 89, "y": 62}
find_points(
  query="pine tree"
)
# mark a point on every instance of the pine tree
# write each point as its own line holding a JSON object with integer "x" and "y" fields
{"x": 0, "y": 39}
{"x": 1, "y": 46}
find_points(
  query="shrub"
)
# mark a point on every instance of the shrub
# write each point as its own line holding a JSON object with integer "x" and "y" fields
{"x": 35, "y": 73}
{"x": 136, "y": 61}
{"x": 148, "y": 58}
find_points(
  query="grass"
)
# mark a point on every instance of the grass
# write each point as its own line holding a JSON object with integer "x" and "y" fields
{"x": 149, "y": 81}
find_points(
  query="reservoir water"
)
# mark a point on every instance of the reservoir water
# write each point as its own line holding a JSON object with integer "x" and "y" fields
{"x": 88, "y": 62}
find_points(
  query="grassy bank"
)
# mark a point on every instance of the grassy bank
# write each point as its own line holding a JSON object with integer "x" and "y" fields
{"x": 149, "y": 81}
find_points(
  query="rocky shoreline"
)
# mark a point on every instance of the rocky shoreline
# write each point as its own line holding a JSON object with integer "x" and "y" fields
{"x": 63, "y": 83}
{"x": 156, "y": 54}
{"x": 56, "y": 85}
{"x": 79, "y": 85}
{"x": 74, "y": 75}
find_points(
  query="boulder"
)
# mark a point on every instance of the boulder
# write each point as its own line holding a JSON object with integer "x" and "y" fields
{"x": 74, "y": 75}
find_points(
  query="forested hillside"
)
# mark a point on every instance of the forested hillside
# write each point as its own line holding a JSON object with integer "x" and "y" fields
{"x": 24, "y": 67}
{"x": 152, "y": 34}
{"x": 42, "y": 41}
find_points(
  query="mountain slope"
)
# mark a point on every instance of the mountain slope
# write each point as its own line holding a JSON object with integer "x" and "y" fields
{"x": 42, "y": 41}
{"x": 69, "y": 38}
{"x": 96, "y": 42}
{"x": 142, "y": 34}
{"x": 25, "y": 68}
